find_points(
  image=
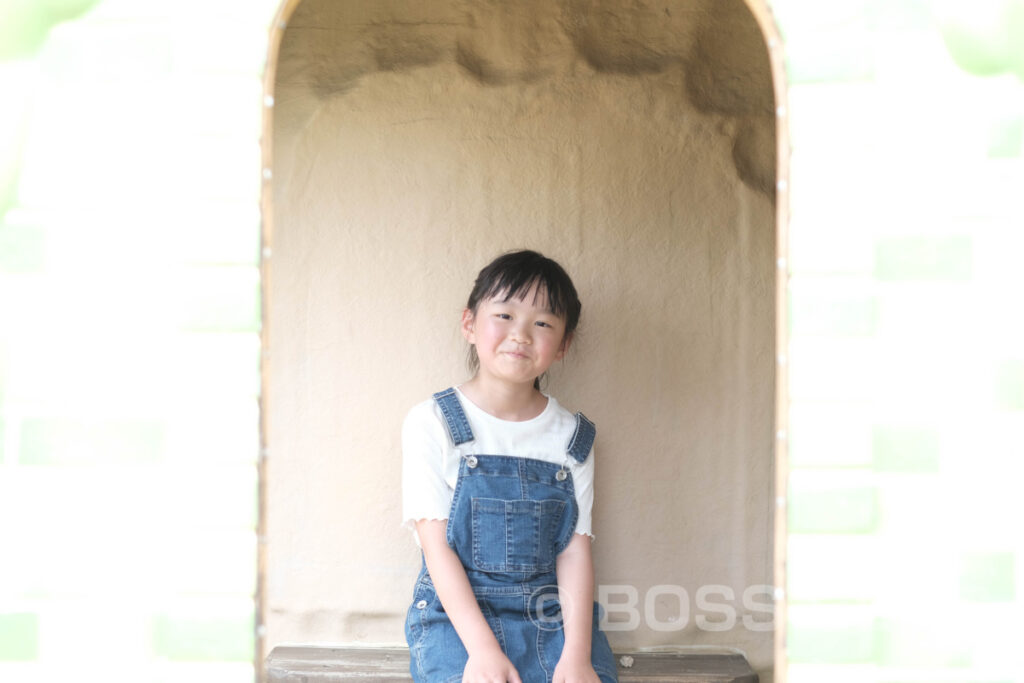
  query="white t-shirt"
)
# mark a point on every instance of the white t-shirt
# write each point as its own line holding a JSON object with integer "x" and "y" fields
{"x": 430, "y": 463}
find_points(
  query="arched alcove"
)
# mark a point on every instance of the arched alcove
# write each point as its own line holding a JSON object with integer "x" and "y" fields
{"x": 411, "y": 143}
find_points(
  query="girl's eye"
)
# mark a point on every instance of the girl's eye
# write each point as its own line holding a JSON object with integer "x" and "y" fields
{"x": 541, "y": 323}
{"x": 503, "y": 316}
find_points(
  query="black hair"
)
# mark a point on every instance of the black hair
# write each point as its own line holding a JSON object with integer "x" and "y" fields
{"x": 514, "y": 274}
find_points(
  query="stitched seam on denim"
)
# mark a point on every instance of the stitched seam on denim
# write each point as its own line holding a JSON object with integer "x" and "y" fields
{"x": 479, "y": 507}
{"x": 419, "y": 661}
{"x": 441, "y": 398}
{"x": 582, "y": 438}
{"x": 454, "y": 416}
{"x": 424, "y": 624}
{"x": 526, "y": 589}
{"x": 533, "y": 543}
{"x": 463, "y": 420}
{"x": 572, "y": 527}
{"x": 575, "y": 434}
{"x": 540, "y": 653}
{"x": 418, "y": 648}
{"x": 449, "y": 533}
{"x": 460, "y": 414}
{"x": 409, "y": 616}
{"x": 548, "y": 469}
{"x": 496, "y": 622}
{"x": 559, "y": 511}
{"x": 508, "y": 538}
{"x": 523, "y": 493}
{"x": 475, "y": 530}
{"x": 541, "y": 554}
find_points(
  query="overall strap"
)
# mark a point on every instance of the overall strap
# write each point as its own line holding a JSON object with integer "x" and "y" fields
{"x": 458, "y": 425}
{"x": 582, "y": 438}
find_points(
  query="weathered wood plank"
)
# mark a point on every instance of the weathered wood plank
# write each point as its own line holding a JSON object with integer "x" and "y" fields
{"x": 330, "y": 664}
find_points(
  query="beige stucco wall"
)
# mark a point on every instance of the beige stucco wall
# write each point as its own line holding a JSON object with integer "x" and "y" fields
{"x": 415, "y": 141}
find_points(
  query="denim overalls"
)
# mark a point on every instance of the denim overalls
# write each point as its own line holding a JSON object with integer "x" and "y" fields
{"x": 510, "y": 517}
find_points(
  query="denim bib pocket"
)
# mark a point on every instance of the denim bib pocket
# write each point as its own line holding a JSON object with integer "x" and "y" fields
{"x": 515, "y": 535}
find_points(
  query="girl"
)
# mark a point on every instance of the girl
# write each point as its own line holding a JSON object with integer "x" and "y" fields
{"x": 498, "y": 484}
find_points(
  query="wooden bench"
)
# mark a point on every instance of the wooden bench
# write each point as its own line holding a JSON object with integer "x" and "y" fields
{"x": 330, "y": 664}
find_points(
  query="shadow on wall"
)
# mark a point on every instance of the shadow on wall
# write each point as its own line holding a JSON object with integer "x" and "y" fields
{"x": 330, "y": 46}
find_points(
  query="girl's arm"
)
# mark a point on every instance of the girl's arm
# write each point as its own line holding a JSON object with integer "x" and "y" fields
{"x": 574, "y": 568}
{"x": 486, "y": 660}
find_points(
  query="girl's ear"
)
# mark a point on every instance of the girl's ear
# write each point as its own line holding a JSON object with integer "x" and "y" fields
{"x": 468, "y": 320}
{"x": 564, "y": 347}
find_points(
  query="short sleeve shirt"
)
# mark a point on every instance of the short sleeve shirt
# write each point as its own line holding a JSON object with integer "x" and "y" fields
{"x": 430, "y": 463}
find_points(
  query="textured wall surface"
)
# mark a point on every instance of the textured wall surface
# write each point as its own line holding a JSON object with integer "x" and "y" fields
{"x": 633, "y": 143}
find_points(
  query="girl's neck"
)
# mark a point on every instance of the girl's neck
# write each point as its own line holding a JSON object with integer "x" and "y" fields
{"x": 515, "y": 403}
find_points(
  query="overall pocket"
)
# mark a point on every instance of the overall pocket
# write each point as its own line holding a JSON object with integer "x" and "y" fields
{"x": 415, "y": 617}
{"x": 515, "y": 535}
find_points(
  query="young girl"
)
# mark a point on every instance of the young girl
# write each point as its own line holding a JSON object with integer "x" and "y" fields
{"x": 498, "y": 484}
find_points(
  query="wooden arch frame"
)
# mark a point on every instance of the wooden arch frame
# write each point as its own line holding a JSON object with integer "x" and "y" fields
{"x": 776, "y": 57}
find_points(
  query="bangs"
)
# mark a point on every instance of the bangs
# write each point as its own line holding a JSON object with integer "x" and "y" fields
{"x": 514, "y": 274}
{"x": 518, "y": 285}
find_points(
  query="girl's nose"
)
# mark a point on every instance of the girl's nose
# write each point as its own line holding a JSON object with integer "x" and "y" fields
{"x": 520, "y": 333}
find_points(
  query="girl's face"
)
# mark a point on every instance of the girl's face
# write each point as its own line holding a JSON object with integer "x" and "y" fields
{"x": 516, "y": 340}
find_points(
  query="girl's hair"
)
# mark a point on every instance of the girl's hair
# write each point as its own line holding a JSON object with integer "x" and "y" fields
{"x": 514, "y": 274}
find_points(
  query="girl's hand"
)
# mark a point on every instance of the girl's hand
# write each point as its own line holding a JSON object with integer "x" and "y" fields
{"x": 490, "y": 666}
{"x": 572, "y": 670}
